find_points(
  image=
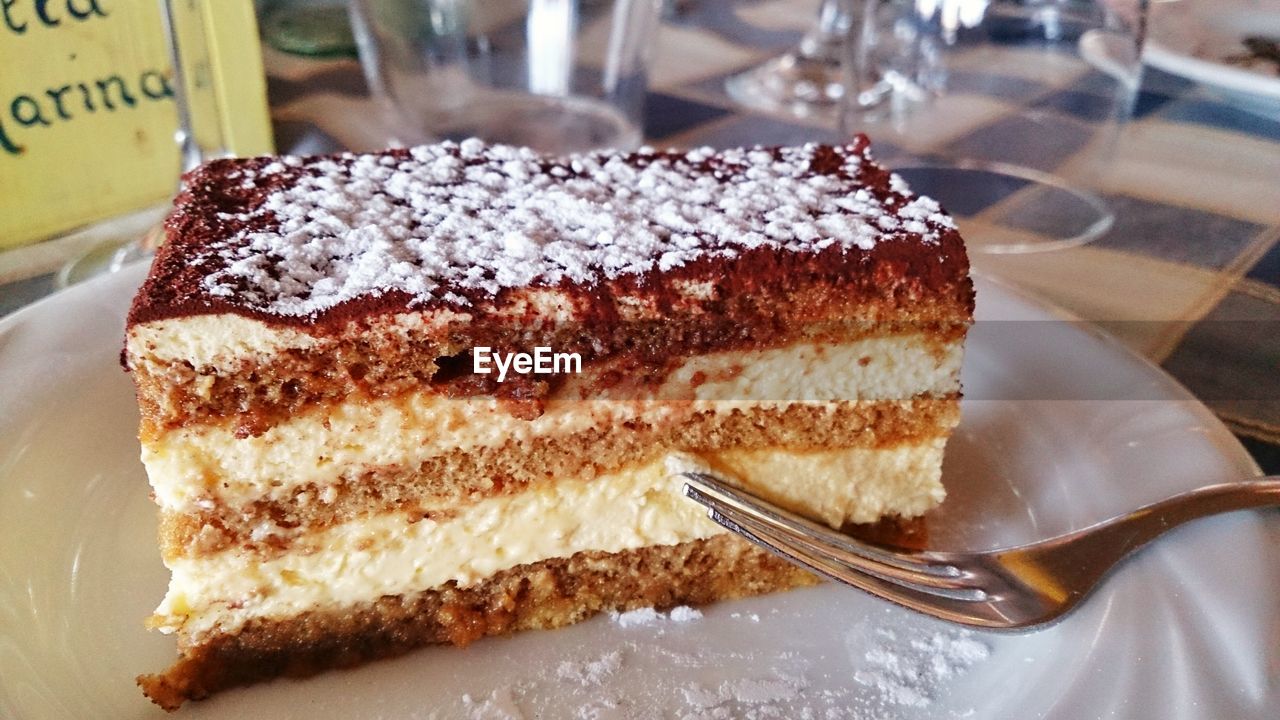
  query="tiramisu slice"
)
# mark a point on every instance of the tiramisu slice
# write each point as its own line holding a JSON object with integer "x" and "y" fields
{"x": 425, "y": 395}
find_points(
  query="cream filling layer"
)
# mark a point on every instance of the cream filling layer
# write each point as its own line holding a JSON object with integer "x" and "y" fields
{"x": 189, "y": 466}
{"x": 359, "y": 562}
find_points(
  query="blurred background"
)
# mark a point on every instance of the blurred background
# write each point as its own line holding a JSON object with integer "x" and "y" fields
{"x": 1119, "y": 158}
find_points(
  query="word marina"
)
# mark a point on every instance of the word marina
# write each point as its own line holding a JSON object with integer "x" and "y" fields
{"x": 33, "y": 109}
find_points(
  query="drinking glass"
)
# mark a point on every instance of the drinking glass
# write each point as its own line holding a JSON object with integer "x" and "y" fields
{"x": 1006, "y": 111}
{"x": 198, "y": 133}
{"x": 807, "y": 80}
{"x": 560, "y": 76}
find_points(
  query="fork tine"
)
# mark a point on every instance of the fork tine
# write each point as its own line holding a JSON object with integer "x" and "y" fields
{"x": 852, "y": 551}
{"x": 967, "y": 612}
{"x": 946, "y": 586}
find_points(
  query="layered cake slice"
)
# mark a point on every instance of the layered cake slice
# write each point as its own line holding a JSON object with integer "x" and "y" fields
{"x": 425, "y": 396}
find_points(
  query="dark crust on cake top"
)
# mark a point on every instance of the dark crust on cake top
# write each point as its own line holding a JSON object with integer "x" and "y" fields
{"x": 223, "y": 202}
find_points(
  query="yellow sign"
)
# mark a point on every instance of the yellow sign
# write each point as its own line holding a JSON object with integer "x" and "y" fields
{"x": 87, "y": 116}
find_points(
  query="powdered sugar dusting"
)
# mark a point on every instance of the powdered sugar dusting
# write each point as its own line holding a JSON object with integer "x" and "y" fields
{"x": 500, "y": 705}
{"x": 635, "y": 618}
{"x": 684, "y": 614}
{"x": 590, "y": 673}
{"x": 897, "y": 666}
{"x": 907, "y": 669}
{"x": 649, "y": 616}
{"x": 444, "y": 222}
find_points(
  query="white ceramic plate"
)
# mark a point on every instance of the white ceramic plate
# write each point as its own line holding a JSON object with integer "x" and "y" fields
{"x": 1187, "y": 629}
{"x": 1191, "y": 39}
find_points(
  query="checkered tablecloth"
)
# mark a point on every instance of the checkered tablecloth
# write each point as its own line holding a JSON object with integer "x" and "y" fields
{"x": 1189, "y": 276}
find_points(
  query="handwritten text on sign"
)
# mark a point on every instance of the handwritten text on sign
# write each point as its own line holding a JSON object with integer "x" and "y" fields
{"x": 32, "y": 109}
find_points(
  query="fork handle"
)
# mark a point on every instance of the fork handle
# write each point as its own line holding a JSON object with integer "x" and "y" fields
{"x": 1111, "y": 540}
{"x": 1169, "y": 513}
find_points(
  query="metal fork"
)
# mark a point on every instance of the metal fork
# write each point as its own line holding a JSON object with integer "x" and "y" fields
{"x": 1011, "y": 588}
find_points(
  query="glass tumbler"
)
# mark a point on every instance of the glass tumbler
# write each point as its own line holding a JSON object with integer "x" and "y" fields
{"x": 199, "y": 136}
{"x": 1006, "y": 111}
{"x": 559, "y": 76}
